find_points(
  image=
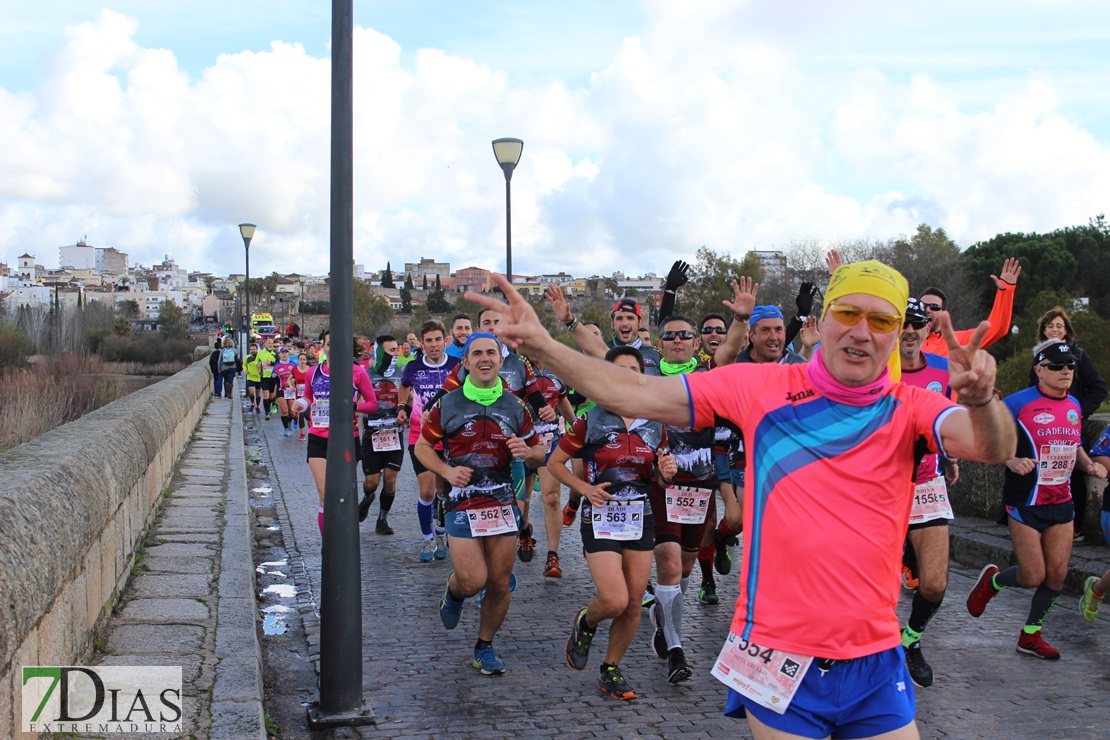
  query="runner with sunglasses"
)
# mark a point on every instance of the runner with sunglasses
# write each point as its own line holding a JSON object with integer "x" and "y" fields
{"x": 685, "y": 508}
{"x": 932, "y": 510}
{"x": 1037, "y": 495}
{"x": 1087, "y": 387}
{"x": 828, "y": 443}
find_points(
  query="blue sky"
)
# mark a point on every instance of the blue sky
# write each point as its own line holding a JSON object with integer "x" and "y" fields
{"x": 651, "y": 128}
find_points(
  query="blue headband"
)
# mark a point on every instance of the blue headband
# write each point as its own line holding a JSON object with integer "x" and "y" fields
{"x": 764, "y": 312}
{"x": 480, "y": 335}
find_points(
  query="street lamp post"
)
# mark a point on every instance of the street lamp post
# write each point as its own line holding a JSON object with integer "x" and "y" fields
{"x": 247, "y": 232}
{"x": 507, "y": 152}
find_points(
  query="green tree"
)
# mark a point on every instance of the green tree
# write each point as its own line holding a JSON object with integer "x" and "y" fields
{"x": 122, "y": 327}
{"x": 172, "y": 323}
{"x": 1046, "y": 265}
{"x": 371, "y": 311}
{"x": 128, "y": 309}
{"x": 406, "y": 299}
{"x": 424, "y": 285}
{"x": 387, "y": 277}
{"x": 408, "y": 282}
{"x": 438, "y": 285}
{"x": 437, "y": 302}
{"x": 711, "y": 278}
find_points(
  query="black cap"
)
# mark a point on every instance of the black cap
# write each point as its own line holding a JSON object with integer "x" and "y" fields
{"x": 1056, "y": 352}
{"x": 916, "y": 313}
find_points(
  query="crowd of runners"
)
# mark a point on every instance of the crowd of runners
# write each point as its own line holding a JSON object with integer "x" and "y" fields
{"x": 827, "y": 440}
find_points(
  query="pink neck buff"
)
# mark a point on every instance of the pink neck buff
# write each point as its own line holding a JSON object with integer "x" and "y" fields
{"x": 831, "y": 388}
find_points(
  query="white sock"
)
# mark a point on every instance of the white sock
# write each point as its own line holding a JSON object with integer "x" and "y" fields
{"x": 670, "y": 601}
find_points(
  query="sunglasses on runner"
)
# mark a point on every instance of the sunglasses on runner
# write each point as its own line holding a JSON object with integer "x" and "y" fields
{"x": 882, "y": 323}
{"x": 918, "y": 323}
{"x": 933, "y": 306}
{"x": 669, "y": 336}
{"x": 714, "y": 330}
{"x": 1058, "y": 366}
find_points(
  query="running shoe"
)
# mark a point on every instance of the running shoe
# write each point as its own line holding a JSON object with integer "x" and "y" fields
{"x": 486, "y": 661}
{"x": 611, "y": 682}
{"x": 722, "y": 559}
{"x": 577, "y": 650}
{"x": 658, "y": 639}
{"x": 982, "y": 592}
{"x": 293, "y": 424}
{"x": 526, "y": 545}
{"x": 364, "y": 505}
{"x": 1089, "y": 604}
{"x": 551, "y": 569}
{"x": 441, "y": 546}
{"x": 427, "y": 552}
{"x": 267, "y": 417}
{"x": 302, "y": 435}
{"x": 707, "y": 594}
{"x": 678, "y": 669}
{"x": 1077, "y": 538}
{"x": 286, "y": 432}
{"x": 382, "y": 527}
{"x": 570, "y": 511}
{"x": 919, "y": 670}
{"x": 909, "y": 580}
{"x": 450, "y": 608}
{"x": 1035, "y": 644}
{"x": 512, "y": 588}
{"x": 649, "y": 596}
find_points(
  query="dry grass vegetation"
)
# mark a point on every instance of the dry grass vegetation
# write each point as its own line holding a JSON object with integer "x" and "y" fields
{"x": 58, "y": 389}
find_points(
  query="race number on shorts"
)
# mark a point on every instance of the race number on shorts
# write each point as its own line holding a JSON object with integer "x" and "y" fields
{"x": 491, "y": 520}
{"x": 768, "y": 677}
{"x": 930, "y": 501}
{"x": 687, "y": 505}
{"x": 386, "y": 439}
{"x": 618, "y": 520}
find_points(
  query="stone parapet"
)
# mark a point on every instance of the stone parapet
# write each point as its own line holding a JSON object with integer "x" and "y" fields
{"x": 74, "y": 506}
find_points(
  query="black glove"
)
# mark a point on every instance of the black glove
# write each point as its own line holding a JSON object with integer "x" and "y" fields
{"x": 804, "y": 301}
{"x": 677, "y": 277}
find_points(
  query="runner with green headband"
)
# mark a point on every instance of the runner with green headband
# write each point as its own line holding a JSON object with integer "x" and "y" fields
{"x": 482, "y": 429}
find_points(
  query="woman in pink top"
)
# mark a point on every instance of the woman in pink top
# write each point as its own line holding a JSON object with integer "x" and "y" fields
{"x": 316, "y": 401}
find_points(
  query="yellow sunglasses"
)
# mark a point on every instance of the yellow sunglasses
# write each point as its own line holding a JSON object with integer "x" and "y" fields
{"x": 881, "y": 323}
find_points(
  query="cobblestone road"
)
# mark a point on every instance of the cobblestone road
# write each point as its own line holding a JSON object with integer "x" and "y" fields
{"x": 418, "y": 679}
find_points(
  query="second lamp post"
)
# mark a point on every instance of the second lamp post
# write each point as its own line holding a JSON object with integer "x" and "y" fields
{"x": 508, "y": 152}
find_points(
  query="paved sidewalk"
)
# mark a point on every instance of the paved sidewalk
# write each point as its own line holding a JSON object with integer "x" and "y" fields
{"x": 417, "y": 676}
{"x": 190, "y": 600}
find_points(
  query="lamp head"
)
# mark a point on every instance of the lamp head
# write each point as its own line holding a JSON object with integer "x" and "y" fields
{"x": 507, "y": 151}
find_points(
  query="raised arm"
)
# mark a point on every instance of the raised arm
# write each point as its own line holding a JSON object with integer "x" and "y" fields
{"x": 744, "y": 294}
{"x": 586, "y": 340}
{"x": 639, "y": 396}
{"x": 983, "y": 430}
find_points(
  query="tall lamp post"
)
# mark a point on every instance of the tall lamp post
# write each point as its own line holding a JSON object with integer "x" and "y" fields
{"x": 247, "y": 232}
{"x": 507, "y": 152}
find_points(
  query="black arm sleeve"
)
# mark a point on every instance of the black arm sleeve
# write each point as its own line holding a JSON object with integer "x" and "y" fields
{"x": 666, "y": 307}
{"x": 792, "y": 329}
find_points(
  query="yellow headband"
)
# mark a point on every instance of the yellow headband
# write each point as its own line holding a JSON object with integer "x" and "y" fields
{"x": 872, "y": 278}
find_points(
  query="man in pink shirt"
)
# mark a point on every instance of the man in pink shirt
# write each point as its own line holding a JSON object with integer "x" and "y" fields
{"x": 829, "y": 472}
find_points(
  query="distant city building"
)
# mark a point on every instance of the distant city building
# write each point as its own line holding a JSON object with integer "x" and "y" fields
{"x": 81, "y": 256}
{"x": 773, "y": 264}
{"x": 426, "y": 266}
{"x": 475, "y": 279}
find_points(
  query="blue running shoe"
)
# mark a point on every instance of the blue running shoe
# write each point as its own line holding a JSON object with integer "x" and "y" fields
{"x": 486, "y": 661}
{"x": 512, "y": 588}
{"x": 428, "y": 551}
{"x": 441, "y": 546}
{"x": 450, "y": 608}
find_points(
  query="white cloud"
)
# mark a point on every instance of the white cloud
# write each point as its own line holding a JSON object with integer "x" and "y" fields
{"x": 733, "y": 125}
